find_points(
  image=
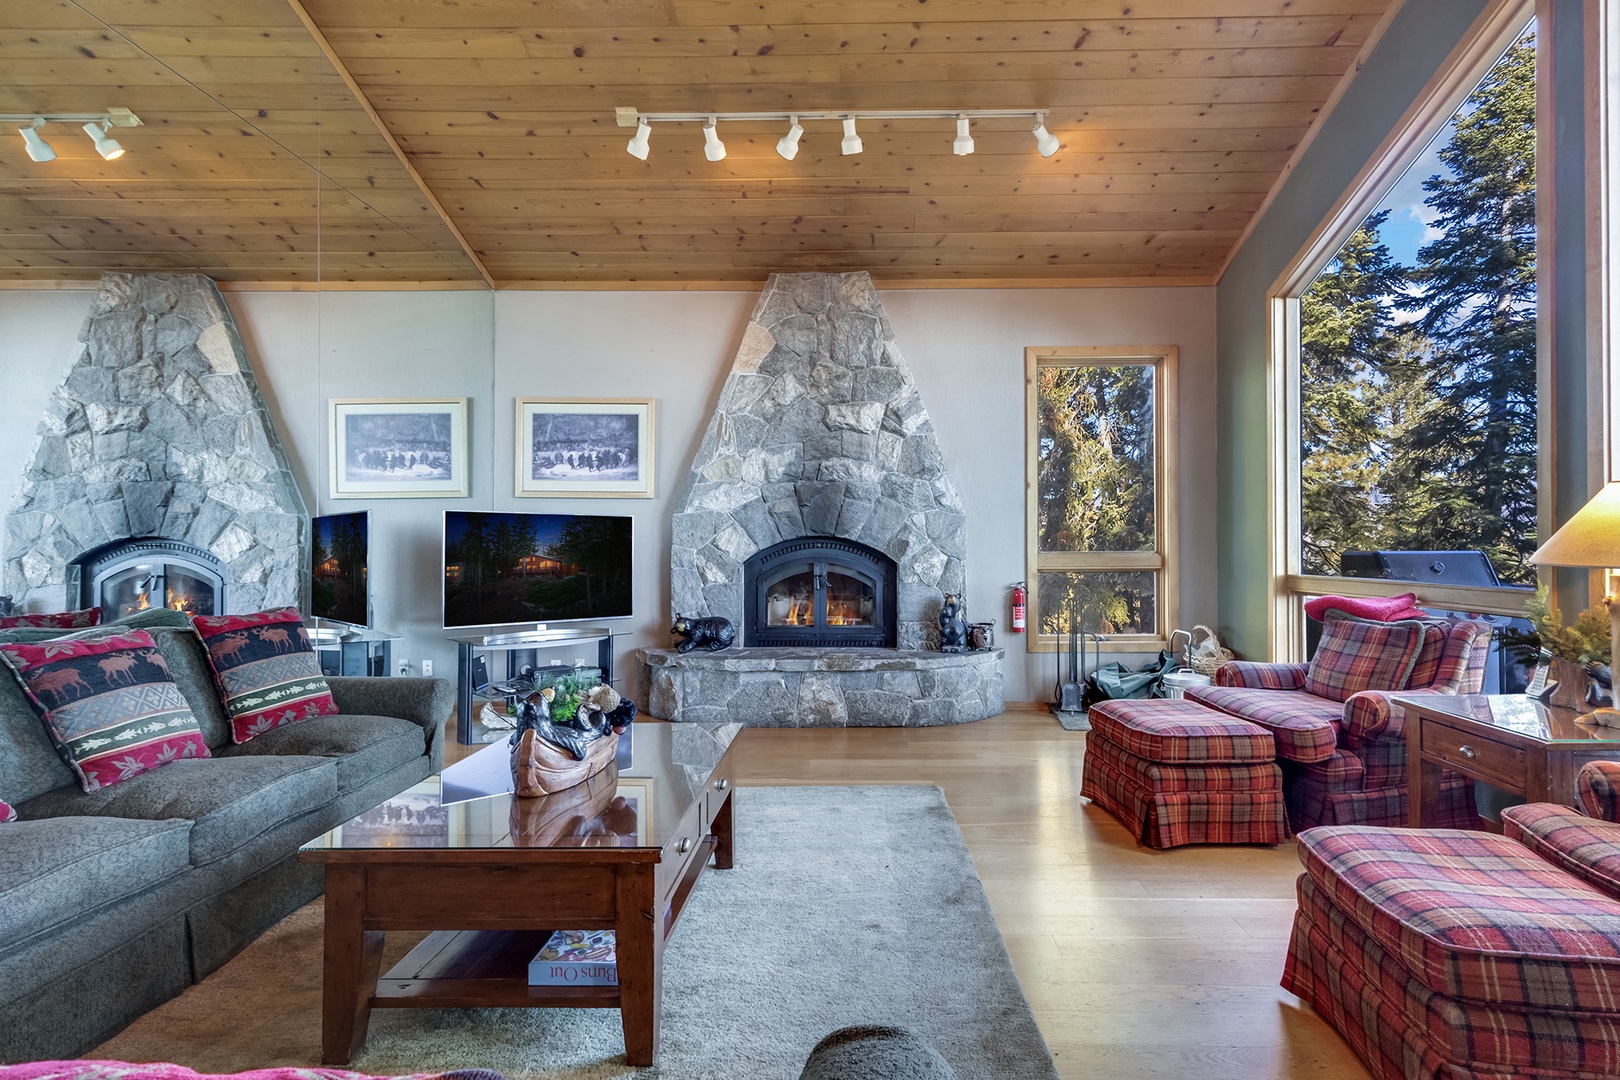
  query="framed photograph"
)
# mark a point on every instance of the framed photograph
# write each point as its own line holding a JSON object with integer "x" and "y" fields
{"x": 585, "y": 448}
{"x": 399, "y": 448}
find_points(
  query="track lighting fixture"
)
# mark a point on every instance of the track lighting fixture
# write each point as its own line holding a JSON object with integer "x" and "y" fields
{"x": 788, "y": 145}
{"x": 851, "y": 143}
{"x": 963, "y": 144}
{"x": 96, "y": 125}
{"x": 638, "y": 141}
{"x": 1045, "y": 141}
{"x": 713, "y": 148}
{"x": 38, "y": 148}
{"x": 107, "y": 146}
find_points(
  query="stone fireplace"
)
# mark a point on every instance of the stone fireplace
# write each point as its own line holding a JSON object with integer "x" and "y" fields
{"x": 156, "y": 469}
{"x": 819, "y": 518}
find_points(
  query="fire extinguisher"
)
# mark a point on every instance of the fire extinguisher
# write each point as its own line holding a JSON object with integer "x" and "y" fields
{"x": 1020, "y": 602}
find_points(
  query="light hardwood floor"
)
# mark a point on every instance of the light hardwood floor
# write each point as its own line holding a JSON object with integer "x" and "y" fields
{"x": 1139, "y": 964}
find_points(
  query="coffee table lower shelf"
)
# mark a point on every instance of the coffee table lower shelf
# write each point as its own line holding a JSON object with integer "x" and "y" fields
{"x": 471, "y": 969}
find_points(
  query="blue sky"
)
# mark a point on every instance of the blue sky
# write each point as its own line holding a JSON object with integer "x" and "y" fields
{"x": 1408, "y": 226}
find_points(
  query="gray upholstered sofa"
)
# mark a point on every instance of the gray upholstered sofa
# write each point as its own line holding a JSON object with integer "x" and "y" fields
{"x": 113, "y": 901}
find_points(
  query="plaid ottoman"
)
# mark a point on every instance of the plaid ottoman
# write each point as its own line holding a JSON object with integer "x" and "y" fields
{"x": 1177, "y": 772}
{"x": 1439, "y": 952}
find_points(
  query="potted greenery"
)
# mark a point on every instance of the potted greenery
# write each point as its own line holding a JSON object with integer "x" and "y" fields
{"x": 1577, "y": 654}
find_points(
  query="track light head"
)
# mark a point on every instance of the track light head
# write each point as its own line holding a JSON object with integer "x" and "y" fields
{"x": 1045, "y": 141}
{"x": 788, "y": 145}
{"x": 38, "y": 148}
{"x": 106, "y": 146}
{"x": 713, "y": 148}
{"x": 963, "y": 144}
{"x": 637, "y": 147}
{"x": 852, "y": 141}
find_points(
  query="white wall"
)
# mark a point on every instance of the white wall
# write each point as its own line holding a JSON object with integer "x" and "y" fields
{"x": 965, "y": 347}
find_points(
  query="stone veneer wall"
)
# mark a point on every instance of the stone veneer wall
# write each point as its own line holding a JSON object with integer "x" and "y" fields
{"x": 159, "y": 429}
{"x": 820, "y": 431}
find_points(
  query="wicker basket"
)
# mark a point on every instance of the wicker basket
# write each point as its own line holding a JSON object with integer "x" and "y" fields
{"x": 1206, "y": 653}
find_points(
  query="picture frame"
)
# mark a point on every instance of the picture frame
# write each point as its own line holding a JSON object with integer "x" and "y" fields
{"x": 584, "y": 448}
{"x": 637, "y": 791}
{"x": 398, "y": 448}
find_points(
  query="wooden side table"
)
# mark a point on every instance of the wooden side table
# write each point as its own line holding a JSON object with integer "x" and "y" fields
{"x": 1509, "y": 741}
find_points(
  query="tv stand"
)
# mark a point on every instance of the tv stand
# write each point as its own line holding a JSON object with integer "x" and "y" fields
{"x": 521, "y": 648}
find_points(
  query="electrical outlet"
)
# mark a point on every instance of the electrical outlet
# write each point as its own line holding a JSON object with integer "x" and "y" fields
{"x": 427, "y": 667}
{"x": 404, "y": 667}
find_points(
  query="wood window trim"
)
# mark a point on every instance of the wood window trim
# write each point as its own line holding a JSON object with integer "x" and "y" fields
{"x": 1486, "y": 40}
{"x": 1163, "y": 560}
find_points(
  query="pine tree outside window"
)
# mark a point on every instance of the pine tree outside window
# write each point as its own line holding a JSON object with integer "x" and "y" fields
{"x": 1100, "y": 487}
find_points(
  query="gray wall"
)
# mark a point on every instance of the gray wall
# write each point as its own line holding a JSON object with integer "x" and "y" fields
{"x": 965, "y": 348}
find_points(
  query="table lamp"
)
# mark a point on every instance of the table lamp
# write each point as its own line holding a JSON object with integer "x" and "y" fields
{"x": 1591, "y": 539}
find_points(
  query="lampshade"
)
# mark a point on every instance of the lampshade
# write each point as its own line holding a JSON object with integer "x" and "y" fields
{"x": 1591, "y": 538}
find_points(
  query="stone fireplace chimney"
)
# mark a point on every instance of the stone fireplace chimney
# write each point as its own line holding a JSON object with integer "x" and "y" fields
{"x": 158, "y": 431}
{"x": 819, "y": 432}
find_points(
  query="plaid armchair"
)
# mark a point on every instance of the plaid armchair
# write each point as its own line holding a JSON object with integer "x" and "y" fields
{"x": 1435, "y": 952}
{"x": 1344, "y": 756}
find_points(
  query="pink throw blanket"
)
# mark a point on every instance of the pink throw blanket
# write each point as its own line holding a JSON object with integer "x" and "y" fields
{"x": 1379, "y": 608}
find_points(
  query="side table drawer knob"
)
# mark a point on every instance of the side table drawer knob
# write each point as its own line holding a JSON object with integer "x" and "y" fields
{"x": 684, "y": 846}
{"x": 721, "y": 784}
{"x": 1468, "y": 752}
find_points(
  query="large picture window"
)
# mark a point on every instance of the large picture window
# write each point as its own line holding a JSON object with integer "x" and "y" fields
{"x": 1101, "y": 486}
{"x": 1409, "y": 369}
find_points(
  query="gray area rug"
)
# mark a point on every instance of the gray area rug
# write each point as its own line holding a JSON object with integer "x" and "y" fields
{"x": 848, "y": 905}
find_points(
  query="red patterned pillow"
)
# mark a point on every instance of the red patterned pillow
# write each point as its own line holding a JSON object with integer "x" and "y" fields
{"x": 1355, "y": 656}
{"x": 266, "y": 672}
{"x": 6, "y": 812}
{"x": 109, "y": 703}
{"x": 54, "y": 620}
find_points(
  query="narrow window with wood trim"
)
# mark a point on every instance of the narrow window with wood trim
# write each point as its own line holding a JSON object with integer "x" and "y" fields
{"x": 1100, "y": 494}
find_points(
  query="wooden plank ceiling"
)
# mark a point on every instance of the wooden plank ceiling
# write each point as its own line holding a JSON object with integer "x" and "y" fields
{"x": 1176, "y": 118}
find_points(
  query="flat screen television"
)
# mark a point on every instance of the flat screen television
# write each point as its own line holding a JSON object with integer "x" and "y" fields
{"x": 340, "y": 558}
{"x": 510, "y": 569}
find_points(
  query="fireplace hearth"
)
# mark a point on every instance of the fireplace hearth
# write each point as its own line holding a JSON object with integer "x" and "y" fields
{"x": 819, "y": 591}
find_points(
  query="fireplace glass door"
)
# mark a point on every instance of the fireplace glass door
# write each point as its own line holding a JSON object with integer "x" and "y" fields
{"x": 821, "y": 595}
{"x": 149, "y": 585}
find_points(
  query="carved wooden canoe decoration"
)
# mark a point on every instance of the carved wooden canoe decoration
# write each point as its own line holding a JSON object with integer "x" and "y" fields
{"x": 539, "y": 768}
{"x": 578, "y": 815}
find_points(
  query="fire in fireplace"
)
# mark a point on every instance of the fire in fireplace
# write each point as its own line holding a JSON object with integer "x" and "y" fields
{"x": 127, "y": 576}
{"x": 819, "y": 591}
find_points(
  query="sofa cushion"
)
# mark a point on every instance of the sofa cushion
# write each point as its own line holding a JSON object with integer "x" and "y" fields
{"x": 56, "y": 872}
{"x": 363, "y": 747}
{"x": 1587, "y": 847}
{"x": 266, "y": 672}
{"x": 1355, "y": 655}
{"x": 1180, "y": 732}
{"x": 109, "y": 703}
{"x": 1305, "y": 727}
{"x": 55, "y": 620}
{"x": 229, "y": 801}
{"x": 1472, "y": 915}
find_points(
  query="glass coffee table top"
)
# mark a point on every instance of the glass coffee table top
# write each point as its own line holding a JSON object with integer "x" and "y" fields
{"x": 639, "y": 801}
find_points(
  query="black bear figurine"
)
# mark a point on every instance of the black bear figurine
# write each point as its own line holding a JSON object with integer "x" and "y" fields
{"x": 952, "y": 625}
{"x": 713, "y": 634}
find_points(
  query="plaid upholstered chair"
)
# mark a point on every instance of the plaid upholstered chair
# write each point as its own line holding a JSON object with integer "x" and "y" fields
{"x": 1440, "y": 953}
{"x": 1341, "y": 742}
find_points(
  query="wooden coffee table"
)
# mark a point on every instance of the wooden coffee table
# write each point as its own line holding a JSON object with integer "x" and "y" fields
{"x": 1509, "y": 741}
{"x": 493, "y": 875}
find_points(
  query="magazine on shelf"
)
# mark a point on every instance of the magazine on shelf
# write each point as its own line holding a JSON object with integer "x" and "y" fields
{"x": 576, "y": 958}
